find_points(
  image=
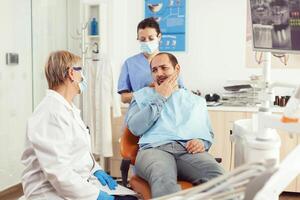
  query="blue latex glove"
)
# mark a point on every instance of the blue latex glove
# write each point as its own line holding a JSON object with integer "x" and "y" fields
{"x": 104, "y": 179}
{"x": 105, "y": 196}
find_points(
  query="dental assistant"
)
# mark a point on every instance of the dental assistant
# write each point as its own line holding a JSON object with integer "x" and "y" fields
{"x": 135, "y": 73}
{"x": 57, "y": 156}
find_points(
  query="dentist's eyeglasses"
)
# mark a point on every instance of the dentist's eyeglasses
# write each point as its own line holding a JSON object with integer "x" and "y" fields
{"x": 75, "y": 68}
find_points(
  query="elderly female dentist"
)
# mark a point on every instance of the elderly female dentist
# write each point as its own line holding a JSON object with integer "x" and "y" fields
{"x": 57, "y": 157}
{"x": 135, "y": 73}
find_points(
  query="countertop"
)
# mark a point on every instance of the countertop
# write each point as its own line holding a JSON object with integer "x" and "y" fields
{"x": 241, "y": 108}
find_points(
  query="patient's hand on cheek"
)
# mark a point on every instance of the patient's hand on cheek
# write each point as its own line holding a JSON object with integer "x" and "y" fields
{"x": 195, "y": 146}
{"x": 166, "y": 88}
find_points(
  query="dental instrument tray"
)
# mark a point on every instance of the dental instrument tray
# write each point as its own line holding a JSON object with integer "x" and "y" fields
{"x": 237, "y": 87}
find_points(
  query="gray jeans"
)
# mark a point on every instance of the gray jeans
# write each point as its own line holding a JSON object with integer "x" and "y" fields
{"x": 161, "y": 166}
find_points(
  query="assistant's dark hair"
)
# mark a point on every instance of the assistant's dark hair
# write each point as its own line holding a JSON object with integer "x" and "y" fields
{"x": 171, "y": 57}
{"x": 149, "y": 23}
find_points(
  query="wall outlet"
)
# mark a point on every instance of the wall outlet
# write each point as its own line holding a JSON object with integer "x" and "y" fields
{"x": 12, "y": 58}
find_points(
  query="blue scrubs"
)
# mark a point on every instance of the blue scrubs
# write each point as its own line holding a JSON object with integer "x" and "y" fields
{"x": 136, "y": 74}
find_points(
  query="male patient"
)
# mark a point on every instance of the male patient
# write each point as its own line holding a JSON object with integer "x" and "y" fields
{"x": 174, "y": 129}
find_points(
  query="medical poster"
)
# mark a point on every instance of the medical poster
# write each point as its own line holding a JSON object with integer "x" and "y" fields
{"x": 170, "y": 14}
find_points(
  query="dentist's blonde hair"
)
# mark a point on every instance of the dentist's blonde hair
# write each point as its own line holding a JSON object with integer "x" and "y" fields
{"x": 56, "y": 68}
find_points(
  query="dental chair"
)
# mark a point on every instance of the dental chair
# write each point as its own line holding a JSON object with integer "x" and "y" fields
{"x": 128, "y": 149}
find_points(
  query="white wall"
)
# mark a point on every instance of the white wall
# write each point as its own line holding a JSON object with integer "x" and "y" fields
{"x": 118, "y": 31}
{"x": 73, "y": 21}
{"x": 49, "y": 33}
{"x": 15, "y": 87}
{"x": 19, "y": 83}
{"x": 215, "y": 43}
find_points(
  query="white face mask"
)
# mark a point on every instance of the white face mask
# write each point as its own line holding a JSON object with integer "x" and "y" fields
{"x": 83, "y": 84}
{"x": 149, "y": 47}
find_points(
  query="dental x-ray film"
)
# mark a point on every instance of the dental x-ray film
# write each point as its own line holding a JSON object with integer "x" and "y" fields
{"x": 276, "y": 25}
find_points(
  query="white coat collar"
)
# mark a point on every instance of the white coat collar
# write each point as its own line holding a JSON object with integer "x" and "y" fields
{"x": 59, "y": 97}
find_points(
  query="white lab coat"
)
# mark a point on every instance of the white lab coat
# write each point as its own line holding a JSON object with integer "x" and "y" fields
{"x": 100, "y": 97}
{"x": 57, "y": 157}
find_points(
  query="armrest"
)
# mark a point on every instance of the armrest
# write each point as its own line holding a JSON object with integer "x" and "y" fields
{"x": 129, "y": 145}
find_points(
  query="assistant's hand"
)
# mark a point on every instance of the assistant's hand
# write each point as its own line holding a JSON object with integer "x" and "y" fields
{"x": 167, "y": 87}
{"x": 195, "y": 146}
{"x": 104, "y": 179}
{"x": 105, "y": 196}
{"x": 152, "y": 85}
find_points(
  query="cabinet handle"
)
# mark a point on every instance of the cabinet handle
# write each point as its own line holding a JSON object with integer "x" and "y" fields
{"x": 230, "y": 132}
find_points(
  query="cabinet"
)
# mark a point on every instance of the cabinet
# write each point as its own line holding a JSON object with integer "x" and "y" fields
{"x": 94, "y": 18}
{"x": 115, "y": 161}
{"x": 222, "y": 124}
{"x": 93, "y": 37}
{"x": 288, "y": 143}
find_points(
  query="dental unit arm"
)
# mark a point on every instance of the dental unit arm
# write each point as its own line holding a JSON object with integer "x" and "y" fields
{"x": 289, "y": 168}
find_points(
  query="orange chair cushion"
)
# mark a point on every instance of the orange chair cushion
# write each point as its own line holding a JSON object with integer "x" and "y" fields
{"x": 142, "y": 187}
{"x": 185, "y": 185}
{"x": 129, "y": 145}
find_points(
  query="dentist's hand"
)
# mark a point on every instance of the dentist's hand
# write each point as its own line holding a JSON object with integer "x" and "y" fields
{"x": 105, "y": 196}
{"x": 195, "y": 146}
{"x": 104, "y": 179}
{"x": 167, "y": 87}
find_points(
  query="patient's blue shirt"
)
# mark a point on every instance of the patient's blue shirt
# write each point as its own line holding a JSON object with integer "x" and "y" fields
{"x": 182, "y": 117}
